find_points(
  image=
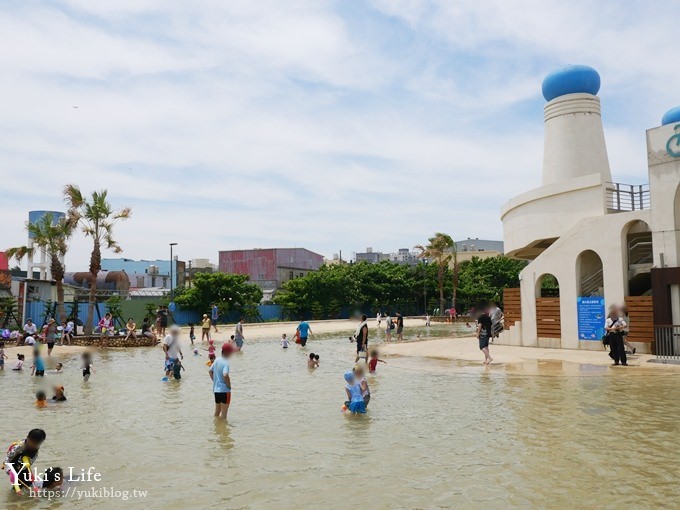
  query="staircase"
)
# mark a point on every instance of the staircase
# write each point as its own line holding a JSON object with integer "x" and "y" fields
{"x": 592, "y": 284}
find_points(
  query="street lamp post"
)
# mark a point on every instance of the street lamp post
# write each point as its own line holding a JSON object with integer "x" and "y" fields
{"x": 172, "y": 287}
{"x": 425, "y": 284}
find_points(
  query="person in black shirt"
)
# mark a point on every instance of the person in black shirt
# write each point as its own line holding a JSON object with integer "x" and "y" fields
{"x": 484, "y": 334}
{"x": 400, "y": 327}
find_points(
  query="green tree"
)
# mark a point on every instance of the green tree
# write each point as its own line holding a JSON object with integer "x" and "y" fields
{"x": 483, "y": 280}
{"x": 439, "y": 250}
{"x": 230, "y": 292}
{"x": 97, "y": 219}
{"x": 52, "y": 235}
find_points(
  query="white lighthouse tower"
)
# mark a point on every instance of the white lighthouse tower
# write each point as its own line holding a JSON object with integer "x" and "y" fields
{"x": 574, "y": 139}
{"x": 38, "y": 261}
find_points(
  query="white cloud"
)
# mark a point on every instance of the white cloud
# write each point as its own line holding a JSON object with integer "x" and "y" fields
{"x": 316, "y": 124}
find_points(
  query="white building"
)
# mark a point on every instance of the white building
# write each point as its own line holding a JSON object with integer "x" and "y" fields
{"x": 603, "y": 242}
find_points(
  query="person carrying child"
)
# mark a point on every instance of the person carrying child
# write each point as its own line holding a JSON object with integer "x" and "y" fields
{"x": 313, "y": 361}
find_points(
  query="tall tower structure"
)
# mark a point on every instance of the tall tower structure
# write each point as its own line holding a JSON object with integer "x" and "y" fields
{"x": 38, "y": 260}
{"x": 574, "y": 144}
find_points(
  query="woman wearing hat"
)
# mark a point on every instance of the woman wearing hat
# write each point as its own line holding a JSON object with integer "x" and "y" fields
{"x": 51, "y": 335}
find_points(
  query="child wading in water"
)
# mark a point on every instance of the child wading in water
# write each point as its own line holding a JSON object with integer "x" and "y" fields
{"x": 355, "y": 402}
{"x": 313, "y": 361}
{"x": 88, "y": 367}
{"x": 177, "y": 368}
{"x": 38, "y": 367}
{"x": 284, "y": 341}
{"x": 373, "y": 363}
{"x": 3, "y": 356}
{"x": 361, "y": 379}
{"x": 192, "y": 336}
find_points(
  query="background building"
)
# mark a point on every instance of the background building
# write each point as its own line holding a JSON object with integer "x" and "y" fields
{"x": 270, "y": 268}
{"x": 149, "y": 273}
{"x": 480, "y": 248}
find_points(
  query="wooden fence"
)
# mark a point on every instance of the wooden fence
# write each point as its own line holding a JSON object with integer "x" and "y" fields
{"x": 641, "y": 317}
{"x": 548, "y": 323}
{"x": 512, "y": 307}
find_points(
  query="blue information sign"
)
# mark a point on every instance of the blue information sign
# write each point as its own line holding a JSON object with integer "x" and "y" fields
{"x": 591, "y": 318}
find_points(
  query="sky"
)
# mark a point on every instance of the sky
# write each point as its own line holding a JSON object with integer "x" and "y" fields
{"x": 329, "y": 125}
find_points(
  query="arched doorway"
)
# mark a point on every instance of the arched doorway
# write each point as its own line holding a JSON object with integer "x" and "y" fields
{"x": 548, "y": 322}
{"x": 639, "y": 257}
{"x": 590, "y": 274}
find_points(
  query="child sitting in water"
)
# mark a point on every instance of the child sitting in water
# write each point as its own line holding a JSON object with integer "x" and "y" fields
{"x": 51, "y": 479}
{"x": 355, "y": 403}
{"x": 88, "y": 367}
{"x": 59, "y": 394}
{"x": 313, "y": 361}
{"x": 177, "y": 368}
{"x": 373, "y": 363}
{"x": 284, "y": 341}
{"x": 57, "y": 368}
{"x": 40, "y": 399}
{"x": 19, "y": 365}
{"x": 3, "y": 356}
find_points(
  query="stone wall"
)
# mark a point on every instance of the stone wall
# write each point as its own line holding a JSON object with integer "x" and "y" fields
{"x": 113, "y": 341}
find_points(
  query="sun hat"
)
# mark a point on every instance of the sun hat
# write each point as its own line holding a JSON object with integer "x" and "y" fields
{"x": 227, "y": 349}
{"x": 349, "y": 377}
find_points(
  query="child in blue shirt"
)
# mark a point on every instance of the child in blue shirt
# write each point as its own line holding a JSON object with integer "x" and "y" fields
{"x": 38, "y": 364}
{"x": 355, "y": 402}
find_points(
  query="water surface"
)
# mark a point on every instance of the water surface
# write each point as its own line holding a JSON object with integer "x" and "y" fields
{"x": 439, "y": 434}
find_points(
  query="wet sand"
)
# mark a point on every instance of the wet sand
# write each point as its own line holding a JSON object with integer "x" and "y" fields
{"x": 524, "y": 359}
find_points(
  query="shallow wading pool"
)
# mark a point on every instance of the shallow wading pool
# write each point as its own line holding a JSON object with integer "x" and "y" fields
{"x": 438, "y": 434}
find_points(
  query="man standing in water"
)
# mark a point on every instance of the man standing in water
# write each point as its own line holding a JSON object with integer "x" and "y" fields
{"x": 362, "y": 339}
{"x": 219, "y": 374}
{"x": 172, "y": 349}
{"x": 304, "y": 330}
{"x": 484, "y": 334}
{"x": 214, "y": 316}
{"x": 238, "y": 334}
{"x": 400, "y": 327}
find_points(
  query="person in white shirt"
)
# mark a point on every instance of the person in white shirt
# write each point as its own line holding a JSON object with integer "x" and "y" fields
{"x": 284, "y": 341}
{"x": 30, "y": 329}
{"x": 378, "y": 319}
{"x": 29, "y": 340}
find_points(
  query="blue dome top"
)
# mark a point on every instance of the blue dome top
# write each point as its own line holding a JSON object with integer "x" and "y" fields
{"x": 571, "y": 80}
{"x": 672, "y": 115}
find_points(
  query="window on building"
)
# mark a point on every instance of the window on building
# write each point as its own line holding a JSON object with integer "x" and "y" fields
{"x": 291, "y": 275}
{"x": 301, "y": 275}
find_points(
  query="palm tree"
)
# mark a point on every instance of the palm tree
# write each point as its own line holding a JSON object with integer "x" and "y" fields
{"x": 438, "y": 250}
{"x": 51, "y": 236}
{"x": 97, "y": 219}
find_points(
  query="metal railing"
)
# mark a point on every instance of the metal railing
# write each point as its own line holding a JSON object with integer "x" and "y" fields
{"x": 592, "y": 284}
{"x": 640, "y": 252}
{"x": 627, "y": 197}
{"x": 667, "y": 343}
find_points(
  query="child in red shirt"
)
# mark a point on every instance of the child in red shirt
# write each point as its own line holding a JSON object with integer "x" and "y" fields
{"x": 373, "y": 363}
